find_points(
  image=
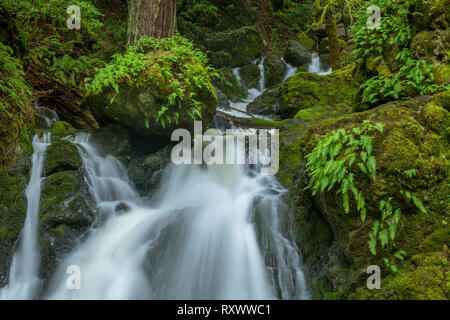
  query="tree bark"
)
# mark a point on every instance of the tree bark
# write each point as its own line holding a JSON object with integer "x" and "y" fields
{"x": 333, "y": 44}
{"x": 154, "y": 18}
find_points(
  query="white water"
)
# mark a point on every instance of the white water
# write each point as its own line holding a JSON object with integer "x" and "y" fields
{"x": 209, "y": 233}
{"x": 23, "y": 276}
{"x": 316, "y": 67}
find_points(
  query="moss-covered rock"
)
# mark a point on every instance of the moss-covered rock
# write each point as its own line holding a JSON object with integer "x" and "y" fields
{"x": 241, "y": 44}
{"x": 431, "y": 46}
{"x": 66, "y": 211}
{"x": 137, "y": 103}
{"x": 250, "y": 75}
{"x": 266, "y": 104}
{"x": 61, "y": 129}
{"x": 442, "y": 73}
{"x": 274, "y": 70}
{"x": 230, "y": 85}
{"x": 60, "y": 156}
{"x": 442, "y": 99}
{"x": 409, "y": 141}
{"x": 307, "y": 90}
{"x": 296, "y": 54}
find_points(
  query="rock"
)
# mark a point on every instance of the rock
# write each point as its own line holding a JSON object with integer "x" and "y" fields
{"x": 116, "y": 141}
{"x": 13, "y": 209}
{"x": 230, "y": 85}
{"x": 60, "y": 156}
{"x": 442, "y": 73}
{"x": 413, "y": 138}
{"x": 241, "y": 44}
{"x": 135, "y": 107}
{"x": 66, "y": 212}
{"x": 250, "y": 75}
{"x": 306, "y": 90}
{"x": 274, "y": 70}
{"x": 146, "y": 171}
{"x": 266, "y": 104}
{"x": 325, "y": 61}
{"x": 61, "y": 129}
{"x": 306, "y": 41}
{"x": 222, "y": 99}
{"x": 296, "y": 54}
{"x": 220, "y": 59}
{"x": 431, "y": 46}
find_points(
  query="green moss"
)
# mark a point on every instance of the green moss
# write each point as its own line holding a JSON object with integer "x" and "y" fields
{"x": 305, "y": 41}
{"x": 308, "y": 90}
{"x": 442, "y": 74}
{"x": 437, "y": 240}
{"x": 61, "y": 155}
{"x": 61, "y": 129}
{"x": 442, "y": 99}
{"x": 437, "y": 118}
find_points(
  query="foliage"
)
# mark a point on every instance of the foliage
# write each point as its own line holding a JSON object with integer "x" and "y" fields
{"x": 332, "y": 163}
{"x": 413, "y": 77}
{"x": 329, "y": 167}
{"x": 172, "y": 57}
{"x": 15, "y": 106}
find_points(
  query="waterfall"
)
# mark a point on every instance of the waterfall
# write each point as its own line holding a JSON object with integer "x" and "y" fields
{"x": 23, "y": 276}
{"x": 316, "y": 67}
{"x": 215, "y": 232}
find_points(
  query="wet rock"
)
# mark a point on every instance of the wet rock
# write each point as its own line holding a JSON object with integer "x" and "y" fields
{"x": 241, "y": 44}
{"x": 274, "y": 70}
{"x": 250, "y": 75}
{"x": 296, "y": 54}
{"x": 60, "y": 156}
{"x": 266, "y": 104}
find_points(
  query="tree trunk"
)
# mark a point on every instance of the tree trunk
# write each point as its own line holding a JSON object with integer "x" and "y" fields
{"x": 333, "y": 44}
{"x": 154, "y": 18}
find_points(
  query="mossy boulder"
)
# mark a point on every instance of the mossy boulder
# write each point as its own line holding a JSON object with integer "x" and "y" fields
{"x": 323, "y": 45}
{"x": 266, "y": 104}
{"x": 146, "y": 171}
{"x": 241, "y": 44}
{"x": 274, "y": 70}
{"x": 306, "y": 90}
{"x": 250, "y": 74}
{"x": 60, "y": 156}
{"x": 296, "y": 54}
{"x": 230, "y": 85}
{"x": 410, "y": 140}
{"x": 442, "y": 73}
{"x": 61, "y": 129}
{"x": 67, "y": 210}
{"x": 136, "y": 104}
{"x": 431, "y": 46}
{"x": 13, "y": 209}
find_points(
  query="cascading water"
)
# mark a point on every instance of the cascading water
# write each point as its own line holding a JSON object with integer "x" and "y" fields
{"x": 316, "y": 67}
{"x": 23, "y": 275}
{"x": 219, "y": 232}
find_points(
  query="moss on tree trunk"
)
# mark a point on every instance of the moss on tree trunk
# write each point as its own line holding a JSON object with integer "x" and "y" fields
{"x": 154, "y": 18}
{"x": 333, "y": 44}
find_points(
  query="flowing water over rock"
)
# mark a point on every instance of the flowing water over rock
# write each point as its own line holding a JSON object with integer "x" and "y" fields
{"x": 24, "y": 282}
{"x": 220, "y": 232}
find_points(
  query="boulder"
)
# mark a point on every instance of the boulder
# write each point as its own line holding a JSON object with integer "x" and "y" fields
{"x": 250, "y": 75}
{"x": 66, "y": 212}
{"x": 431, "y": 46}
{"x": 230, "y": 85}
{"x": 305, "y": 90}
{"x": 296, "y": 54}
{"x": 266, "y": 104}
{"x": 136, "y": 105}
{"x": 274, "y": 70}
{"x": 243, "y": 44}
{"x": 60, "y": 156}
{"x": 334, "y": 244}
